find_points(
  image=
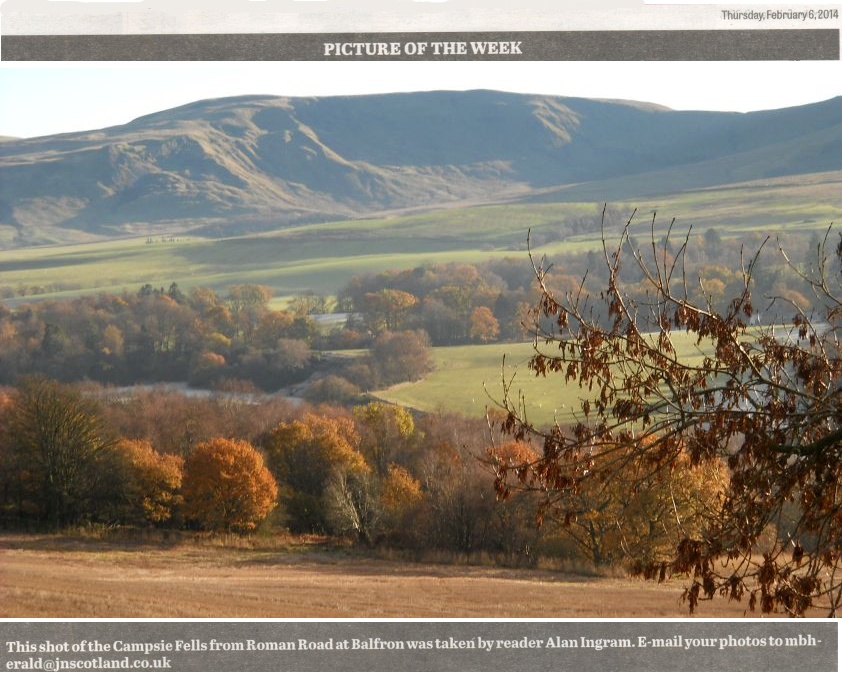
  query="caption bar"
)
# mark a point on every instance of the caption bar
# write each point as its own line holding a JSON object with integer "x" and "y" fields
{"x": 806, "y": 44}
{"x": 413, "y": 646}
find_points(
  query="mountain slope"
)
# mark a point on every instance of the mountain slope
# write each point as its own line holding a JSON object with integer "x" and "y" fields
{"x": 254, "y": 162}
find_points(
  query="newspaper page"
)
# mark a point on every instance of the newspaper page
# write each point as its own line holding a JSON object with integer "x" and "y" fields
{"x": 274, "y": 267}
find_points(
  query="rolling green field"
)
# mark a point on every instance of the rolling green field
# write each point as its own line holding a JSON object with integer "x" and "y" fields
{"x": 323, "y": 257}
{"x": 469, "y": 380}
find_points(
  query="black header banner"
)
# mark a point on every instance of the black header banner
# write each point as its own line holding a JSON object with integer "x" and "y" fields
{"x": 601, "y": 45}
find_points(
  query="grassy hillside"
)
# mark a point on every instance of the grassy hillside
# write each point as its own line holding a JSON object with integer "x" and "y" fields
{"x": 470, "y": 380}
{"x": 323, "y": 257}
{"x": 254, "y": 163}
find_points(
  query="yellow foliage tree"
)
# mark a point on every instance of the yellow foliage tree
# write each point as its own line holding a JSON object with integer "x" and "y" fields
{"x": 227, "y": 486}
{"x": 385, "y": 431}
{"x": 303, "y": 454}
{"x": 152, "y": 481}
{"x": 400, "y": 493}
{"x": 636, "y": 517}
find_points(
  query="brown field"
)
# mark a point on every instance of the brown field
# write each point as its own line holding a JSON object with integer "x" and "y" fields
{"x": 71, "y": 577}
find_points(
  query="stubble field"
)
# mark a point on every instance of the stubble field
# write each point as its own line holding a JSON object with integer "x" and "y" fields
{"x": 59, "y": 577}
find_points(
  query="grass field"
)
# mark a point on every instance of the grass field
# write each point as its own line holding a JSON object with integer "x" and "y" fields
{"x": 469, "y": 379}
{"x": 65, "y": 577}
{"x": 323, "y": 257}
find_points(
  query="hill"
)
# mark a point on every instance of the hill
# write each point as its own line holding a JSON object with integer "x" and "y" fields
{"x": 238, "y": 165}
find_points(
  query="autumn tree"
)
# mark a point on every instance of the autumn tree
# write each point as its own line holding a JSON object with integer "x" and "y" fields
{"x": 401, "y": 356}
{"x": 303, "y": 454}
{"x": 372, "y": 501}
{"x": 312, "y": 303}
{"x": 638, "y": 515}
{"x": 227, "y": 486}
{"x": 761, "y": 400}
{"x": 248, "y": 304}
{"x": 386, "y": 310}
{"x": 369, "y": 505}
{"x": 351, "y": 504}
{"x": 459, "y": 501}
{"x": 400, "y": 495}
{"x": 332, "y": 389}
{"x": 484, "y": 326}
{"x": 514, "y": 537}
{"x": 56, "y": 446}
{"x": 385, "y": 430}
{"x": 151, "y": 482}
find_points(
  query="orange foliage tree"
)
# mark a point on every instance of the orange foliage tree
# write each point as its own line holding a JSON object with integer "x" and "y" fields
{"x": 399, "y": 495}
{"x": 484, "y": 326}
{"x": 227, "y": 486}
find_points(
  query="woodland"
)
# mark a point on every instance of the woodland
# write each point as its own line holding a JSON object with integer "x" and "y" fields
{"x": 721, "y": 468}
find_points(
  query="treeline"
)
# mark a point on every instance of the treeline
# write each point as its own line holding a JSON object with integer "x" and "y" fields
{"x": 201, "y": 337}
{"x": 460, "y": 303}
{"x": 453, "y": 303}
{"x": 211, "y": 339}
{"x": 373, "y": 473}
{"x": 157, "y": 335}
{"x": 74, "y": 456}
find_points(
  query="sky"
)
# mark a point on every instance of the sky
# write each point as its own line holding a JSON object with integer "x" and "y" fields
{"x": 41, "y": 99}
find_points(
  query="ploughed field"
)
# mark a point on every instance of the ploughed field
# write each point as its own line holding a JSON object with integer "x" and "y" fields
{"x": 66, "y": 577}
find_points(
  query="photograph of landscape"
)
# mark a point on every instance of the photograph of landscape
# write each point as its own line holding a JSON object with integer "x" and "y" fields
{"x": 420, "y": 352}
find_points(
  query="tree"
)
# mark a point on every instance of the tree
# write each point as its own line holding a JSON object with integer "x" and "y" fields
{"x": 762, "y": 401}
{"x": 227, "y": 486}
{"x": 400, "y": 494}
{"x": 303, "y": 454}
{"x": 273, "y": 326}
{"x": 386, "y": 310}
{"x": 401, "y": 356}
{"x": 247, "y": 303}
{"x": 332, "y": 389}
{"x": 386, "y": 431}
{"x": 312, "y": 303}
{"x": 351, "y": 504}
{"x": 57, "y": 442}
{"x": 459, "y": 500}
{"x": 369, "y": 505}
{"x": 484, "y": 326}
{"x": 635, "y": 517}
{"x": 151, "y": 482}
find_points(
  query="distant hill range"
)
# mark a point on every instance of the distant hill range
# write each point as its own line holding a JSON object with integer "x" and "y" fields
{"x": 242, "y": 164}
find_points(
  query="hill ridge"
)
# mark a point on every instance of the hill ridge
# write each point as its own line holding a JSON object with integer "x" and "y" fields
{"x": 223, "y": 164}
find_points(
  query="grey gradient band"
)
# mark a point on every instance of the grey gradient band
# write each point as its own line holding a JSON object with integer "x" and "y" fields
{"x": 603, "y": 45}
{"x": 766, "y": 645}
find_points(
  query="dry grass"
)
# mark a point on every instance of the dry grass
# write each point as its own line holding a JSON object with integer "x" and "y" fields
{"x": 72, "y": 577}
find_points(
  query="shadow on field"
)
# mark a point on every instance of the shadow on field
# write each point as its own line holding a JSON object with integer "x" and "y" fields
{"x": 355, "y": 564}
{"x": 92, "y": 541}
{"x": 318, "y": 556}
